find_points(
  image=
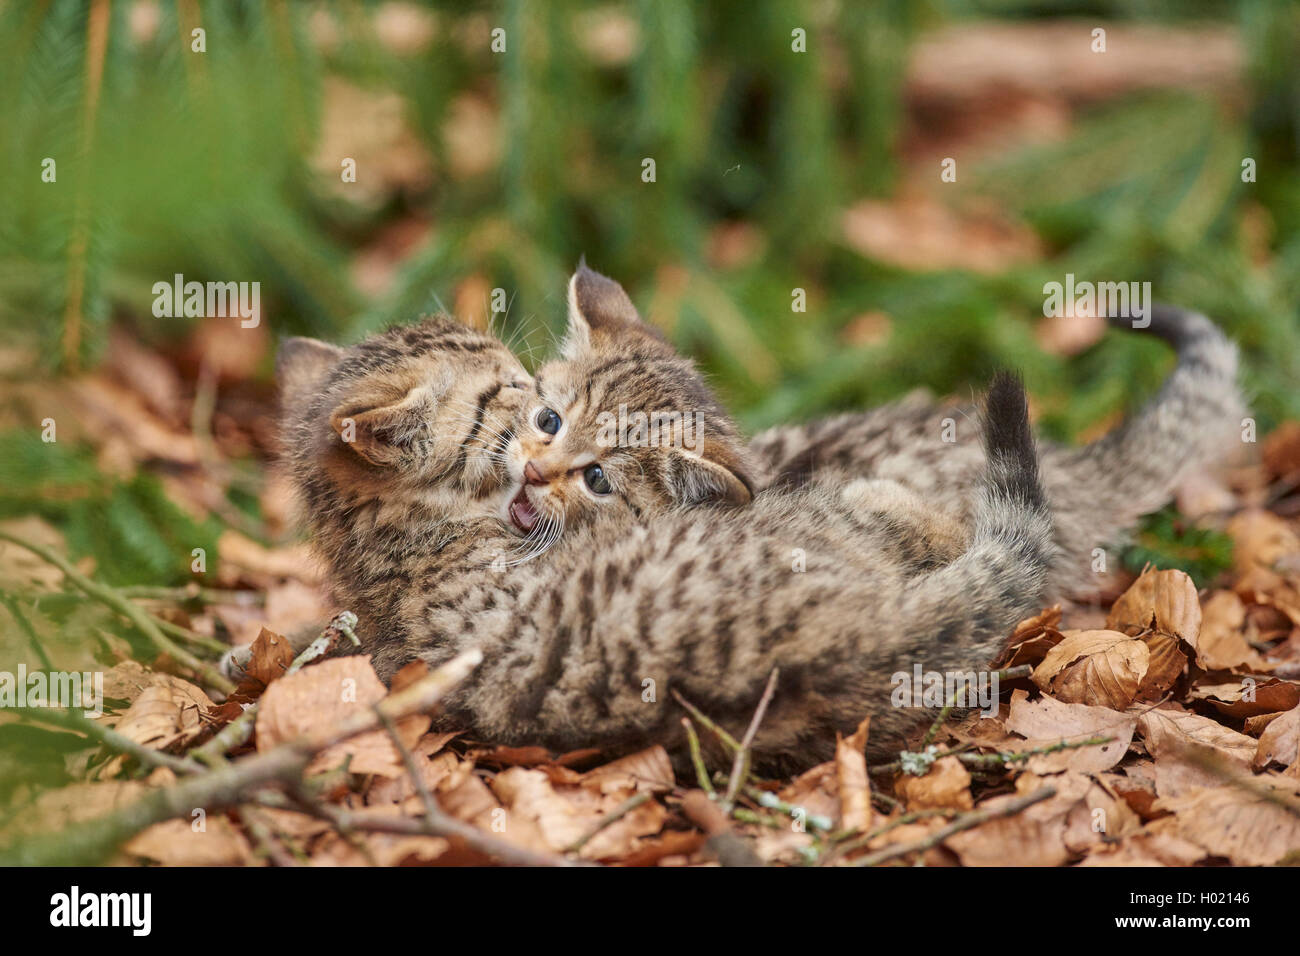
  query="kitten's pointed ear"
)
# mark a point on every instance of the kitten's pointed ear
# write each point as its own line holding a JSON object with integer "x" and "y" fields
{"x": 597, "y": 306}
{"x": 717, "y": 477}
{"x": 380, "y": 431}
{"x": 300, "y": 365}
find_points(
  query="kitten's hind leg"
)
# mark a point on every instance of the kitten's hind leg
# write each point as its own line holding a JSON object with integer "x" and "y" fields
{"x": 941, "y": 536}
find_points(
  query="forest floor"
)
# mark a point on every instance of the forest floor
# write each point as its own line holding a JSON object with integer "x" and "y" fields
{"x": 1161, "y": 726}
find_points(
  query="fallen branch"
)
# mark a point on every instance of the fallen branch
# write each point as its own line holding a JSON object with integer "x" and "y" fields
{"x": 437, "y": 823}
{"x": 730, "y": 847}
{"x": 230, "y": 784}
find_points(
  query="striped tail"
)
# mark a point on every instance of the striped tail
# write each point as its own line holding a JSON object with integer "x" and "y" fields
{"x": 1099, "y": 491}
{"x": 959, "y": 615}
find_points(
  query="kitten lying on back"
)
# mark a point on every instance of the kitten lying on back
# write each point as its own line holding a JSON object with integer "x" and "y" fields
{"x": 1096, "y": 492}
{"x": 704, "y": 600}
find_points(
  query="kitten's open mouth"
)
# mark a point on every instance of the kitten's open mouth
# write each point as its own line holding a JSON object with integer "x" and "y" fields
{"x": 522, "y": 513}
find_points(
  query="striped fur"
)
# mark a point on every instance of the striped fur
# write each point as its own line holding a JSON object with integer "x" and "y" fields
{"x": 1096, "y": 492}
{"x": 583, "y": 644}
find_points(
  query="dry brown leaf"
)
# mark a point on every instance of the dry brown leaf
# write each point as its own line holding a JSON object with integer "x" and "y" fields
{"x": 1047, "y": 721}
{"x": 1145, "y": 849}
{"x": 1032, "y": 639}
{"x": 1280, "y": 741}
{"x": 126, "y": 681}
{"x": 650, "y": 769}
{"x": 854, "y": 786}
{"x": 167, "y": 715}
{"x": 1250, "y": 697}
{"x": 270, "y": 658}
{"x": 76, "y": 803}
{"x": 1229, "y": 821}
{"x": 1180, "y": 741}
{"x": 178, "y": 843}
{"x": 1164, "y": 601}
{"x": 947, "y": 784}
{"x": 1018, "y": 840}
{"x": 918, "y": 232}
{"x": 242, "y": 555}
{"x": 816, "y": 791}
{"x": 1260, "y": 539}
{"x": 1223, "y": 644}
{"x": 1280, "y": 451}
{"x": 1103, "y": 668}
{"x": 565, "y": 814}
{"x": 317, "y": 698}
{"x": 1136, "y": 786}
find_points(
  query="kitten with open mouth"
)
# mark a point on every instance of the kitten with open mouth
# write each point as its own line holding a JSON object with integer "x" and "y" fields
{"x": 410, "y": 448}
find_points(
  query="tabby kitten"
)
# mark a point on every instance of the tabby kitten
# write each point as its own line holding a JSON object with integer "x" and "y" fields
{"x": 582, "y": 646}
{"x": 1096, "y": 492}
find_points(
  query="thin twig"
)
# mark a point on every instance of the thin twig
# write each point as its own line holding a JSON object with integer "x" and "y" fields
{"x": 437, "y": 823}
{"x": 110, "y": 738}
{"x": 964, "y": 822}
{"x": 699, "y": 715}
{"x": 697, "y": 758}
{"x": 740, "y": 765}
{"x": 618, "y": 813}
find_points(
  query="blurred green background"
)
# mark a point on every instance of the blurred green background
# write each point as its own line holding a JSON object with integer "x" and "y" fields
{"x": 776, "y": 169}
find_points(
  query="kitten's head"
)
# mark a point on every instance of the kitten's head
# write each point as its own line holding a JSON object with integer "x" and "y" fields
{"x": 621, "y": 424}
{"x": 417, "y": 416}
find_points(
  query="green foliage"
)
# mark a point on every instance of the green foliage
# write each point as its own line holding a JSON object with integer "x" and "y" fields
{"x": 206, "y": 165}
{"x": 131, "y": 528}
{"x": 1167, "y": 540}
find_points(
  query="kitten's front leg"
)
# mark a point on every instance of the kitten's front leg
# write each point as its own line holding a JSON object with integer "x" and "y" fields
{"x": 942, "y": 536}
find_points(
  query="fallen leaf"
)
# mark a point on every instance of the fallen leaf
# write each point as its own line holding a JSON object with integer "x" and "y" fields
{"x": 1145, "y": 849}
{"x": 650, "y": 769}
{"x": 946, "y": 784}
{"x": 1228, "y": 821}
{"x": 1280, "y": 741}
{"x": 854, "y": 786}
{"x": 169, "y": 714}
{"x": 1250, "y": 697}
{"x": 177, "y": 843}
{"x": 1222, "y": 644}
{"x": 1047, "y": 721}
{"x": 1103, "y": 668}
{"x": 1181, "y": 742}
{"x": 1164, "y": 601}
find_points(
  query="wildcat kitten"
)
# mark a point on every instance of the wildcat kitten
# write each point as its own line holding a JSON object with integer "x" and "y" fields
{"x": 1096, "y": 492}
{"x": 582, "y": 645}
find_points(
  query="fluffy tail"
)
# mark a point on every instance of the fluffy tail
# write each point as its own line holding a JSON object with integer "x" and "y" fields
{"x": 964, "y": 610}
{"x": 1100, "y": 490}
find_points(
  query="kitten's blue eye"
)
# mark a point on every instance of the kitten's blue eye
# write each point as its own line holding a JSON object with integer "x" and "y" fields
{"x": 595, "y": 478}
{"x": 548, "y": 421}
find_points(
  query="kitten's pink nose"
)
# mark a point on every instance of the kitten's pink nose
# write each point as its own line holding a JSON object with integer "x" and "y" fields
{"x": 532, "y": 475}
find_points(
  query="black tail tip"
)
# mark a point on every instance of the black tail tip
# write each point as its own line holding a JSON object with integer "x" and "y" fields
{"x": 1006, "y": 416}
{"x": 1008, "y": 438}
